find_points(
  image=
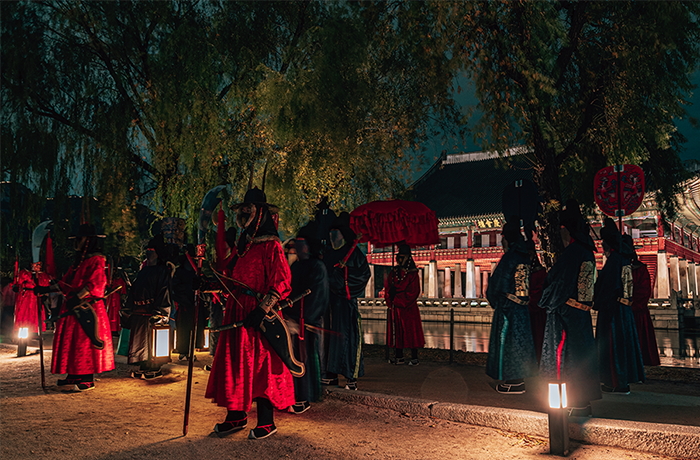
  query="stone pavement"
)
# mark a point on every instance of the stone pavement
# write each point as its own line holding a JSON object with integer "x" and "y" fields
{"x": 661, "y": 416}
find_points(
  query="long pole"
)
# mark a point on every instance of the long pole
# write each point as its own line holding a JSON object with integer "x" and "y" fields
{"x": 619, "y": 197}
{"x": 193, "y": 335}
{"x": 40, "y": 323}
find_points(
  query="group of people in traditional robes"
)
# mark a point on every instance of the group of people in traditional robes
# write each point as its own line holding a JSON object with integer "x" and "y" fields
{"x": 570, "y": 352}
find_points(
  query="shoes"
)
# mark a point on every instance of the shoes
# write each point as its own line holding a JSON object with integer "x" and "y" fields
{"x": 580, "y": 411}
{"x": 262, "y": 432}
{"x": 152, "y": 375}
{"x": 182, "y": 357}
{"x": 207, "y": 367}
{"x": 351, "y": 385}
{"x": 511, "y": 389}
{"x": 63, "y": 382}
{"x": 329, "y": 382}
{"x": 299, "y": 408}
{"x": 616, "y": 390}
{"x": 136, "y": 374}
{"x": 413, "y": 362}
{"x": 227, "y": 428}
{"x": 84, "y": 386}
{"x": 397, "y": 361}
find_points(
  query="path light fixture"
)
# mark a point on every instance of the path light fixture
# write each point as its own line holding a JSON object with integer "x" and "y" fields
{"x": 159, "y": 343}
{"x": 558, "y": 419}
{"x": 23, "y": 336}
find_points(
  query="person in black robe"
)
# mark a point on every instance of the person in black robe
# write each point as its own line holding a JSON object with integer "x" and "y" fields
{"x": 308, "y": 272}
{"x": 619, "y": 354}
{"x": 569, "y": 352}
{"x": 183, "y": 288}
{"x": 147, "y": 305}
{"x": 511, "y": 355}
{"x": 348, "y": 274}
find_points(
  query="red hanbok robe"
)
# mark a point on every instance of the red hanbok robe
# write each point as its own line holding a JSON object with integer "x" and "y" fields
{"x": 72, "y": 351}
{"x": 641, "y": 293}
{"x": 114, "y": 304}
{"x": 26, "y": 309}
{"x": 408, "y": 327}
{"x": 245, "y": 367}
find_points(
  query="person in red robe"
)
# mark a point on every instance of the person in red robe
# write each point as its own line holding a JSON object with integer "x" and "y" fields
{"x": 401, "y": 292}
{"x": 73, "y": 351}
{"x": 26, "y": 308}
{"x": 245, "y": 367}
{"x": 641, "y": 292}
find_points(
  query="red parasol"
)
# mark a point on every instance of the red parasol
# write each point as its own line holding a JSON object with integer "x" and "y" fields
{"x": 388, "y": 222}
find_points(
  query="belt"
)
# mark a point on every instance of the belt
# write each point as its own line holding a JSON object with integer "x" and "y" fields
{"x": 516, "y": 299}
{"x": 144, "y": 302}
{"x": 579, "y": 305}
{"x": 627, "y": 302}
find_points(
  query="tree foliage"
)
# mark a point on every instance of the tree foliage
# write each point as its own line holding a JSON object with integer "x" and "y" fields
{"x": 583, "y": 85}
{"x": 156, "y": 102}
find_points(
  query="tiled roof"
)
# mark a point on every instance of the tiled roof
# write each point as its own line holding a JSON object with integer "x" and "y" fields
{"x": 469, "y": 185}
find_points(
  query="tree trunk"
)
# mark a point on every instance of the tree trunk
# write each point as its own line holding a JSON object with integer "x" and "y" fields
{"x": 546, "y": 177}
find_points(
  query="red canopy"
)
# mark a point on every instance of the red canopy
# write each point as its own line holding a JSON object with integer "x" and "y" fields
{"x": 388, "y": 222}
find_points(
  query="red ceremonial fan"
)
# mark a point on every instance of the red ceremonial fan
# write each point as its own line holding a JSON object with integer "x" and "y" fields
{"x": 389, "y": 222}
{"x": 619, "y": 189}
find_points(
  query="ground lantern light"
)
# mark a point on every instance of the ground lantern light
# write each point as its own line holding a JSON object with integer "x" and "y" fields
{"x": 558, "y": 419}
{"x": 23, "y": 336}
{"x": 159, "y": 344}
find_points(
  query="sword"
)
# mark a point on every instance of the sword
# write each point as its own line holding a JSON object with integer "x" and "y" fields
{"x": 38, "y": 236}
{"x": 282, "y": 304}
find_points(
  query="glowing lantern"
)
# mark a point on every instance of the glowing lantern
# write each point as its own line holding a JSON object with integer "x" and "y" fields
{"x": 558, "y": 419}
{"x": 160, "y": 344}
{"x": 22, "y": 335}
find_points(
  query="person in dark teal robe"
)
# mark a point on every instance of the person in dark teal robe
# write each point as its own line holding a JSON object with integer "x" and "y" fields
{"x": 569, "y": 352}
{"x": 308, "y": 272}
{"x": 619, "y": 354}
{"x": 511, "y": 348}
{"x": 347, "y": 275}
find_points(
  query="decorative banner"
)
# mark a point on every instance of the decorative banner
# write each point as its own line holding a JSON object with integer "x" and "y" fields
{"x": 612, "y": 182}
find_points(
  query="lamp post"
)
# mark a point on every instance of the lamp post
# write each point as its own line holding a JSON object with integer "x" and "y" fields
{"x": 558, "y": 419}
{"x": 159, "y": 344}
{"x": 23, "y": 336}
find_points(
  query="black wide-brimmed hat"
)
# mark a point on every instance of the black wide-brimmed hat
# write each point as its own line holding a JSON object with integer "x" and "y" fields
{"x": 404, "y": 249}
{"x": 511, "y": 229}
{"x": 573, "y": 220}
{"x": 86, "y": 230}
{"x": 257, "y": 197}
{"x": 342, "y": 223}
{"x": 610, "y": 234}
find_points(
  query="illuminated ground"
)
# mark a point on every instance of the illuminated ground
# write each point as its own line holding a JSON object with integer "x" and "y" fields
{"x": 125, "y": 418}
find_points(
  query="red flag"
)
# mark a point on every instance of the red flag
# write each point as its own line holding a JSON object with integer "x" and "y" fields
{"x": 221, "y": 246}
{"x": 50, "y": 263}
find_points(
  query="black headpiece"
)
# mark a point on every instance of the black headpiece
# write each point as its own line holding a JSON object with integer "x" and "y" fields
{"x": 573, "y": 220}
{"x": 342, "y": 223}
{"x": 404, "y": 249}
{"x": 308, "y": 233}
{"x": 627, "y": 247}
{"x": 611, "y": 234}
{"x": 257, "y": 197}
{"x": 86, "y": 230}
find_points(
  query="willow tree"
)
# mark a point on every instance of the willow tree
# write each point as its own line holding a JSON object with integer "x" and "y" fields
{"x": 156, "y": 102}
{"x": 583, "y": 85}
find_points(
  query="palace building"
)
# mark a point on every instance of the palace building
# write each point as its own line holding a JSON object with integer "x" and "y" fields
{"x": 464, "y": 190}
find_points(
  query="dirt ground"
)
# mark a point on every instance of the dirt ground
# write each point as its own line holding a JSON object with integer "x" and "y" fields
{"x": 128, "y": 419}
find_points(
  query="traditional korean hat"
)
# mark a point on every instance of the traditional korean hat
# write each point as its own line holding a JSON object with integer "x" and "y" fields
{"x": 610, "y": 234}
{"x": 573, "y": 220}
{"x": 257, "y": 197}
{"x": 342, "y": 223}
{"x": 404, "y": 249}
{"x": 309, "y": 233}
{"x": 627, "y": 247}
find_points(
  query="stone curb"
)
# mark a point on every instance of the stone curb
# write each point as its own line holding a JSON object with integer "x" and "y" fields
{"x": 658, "y": 438}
